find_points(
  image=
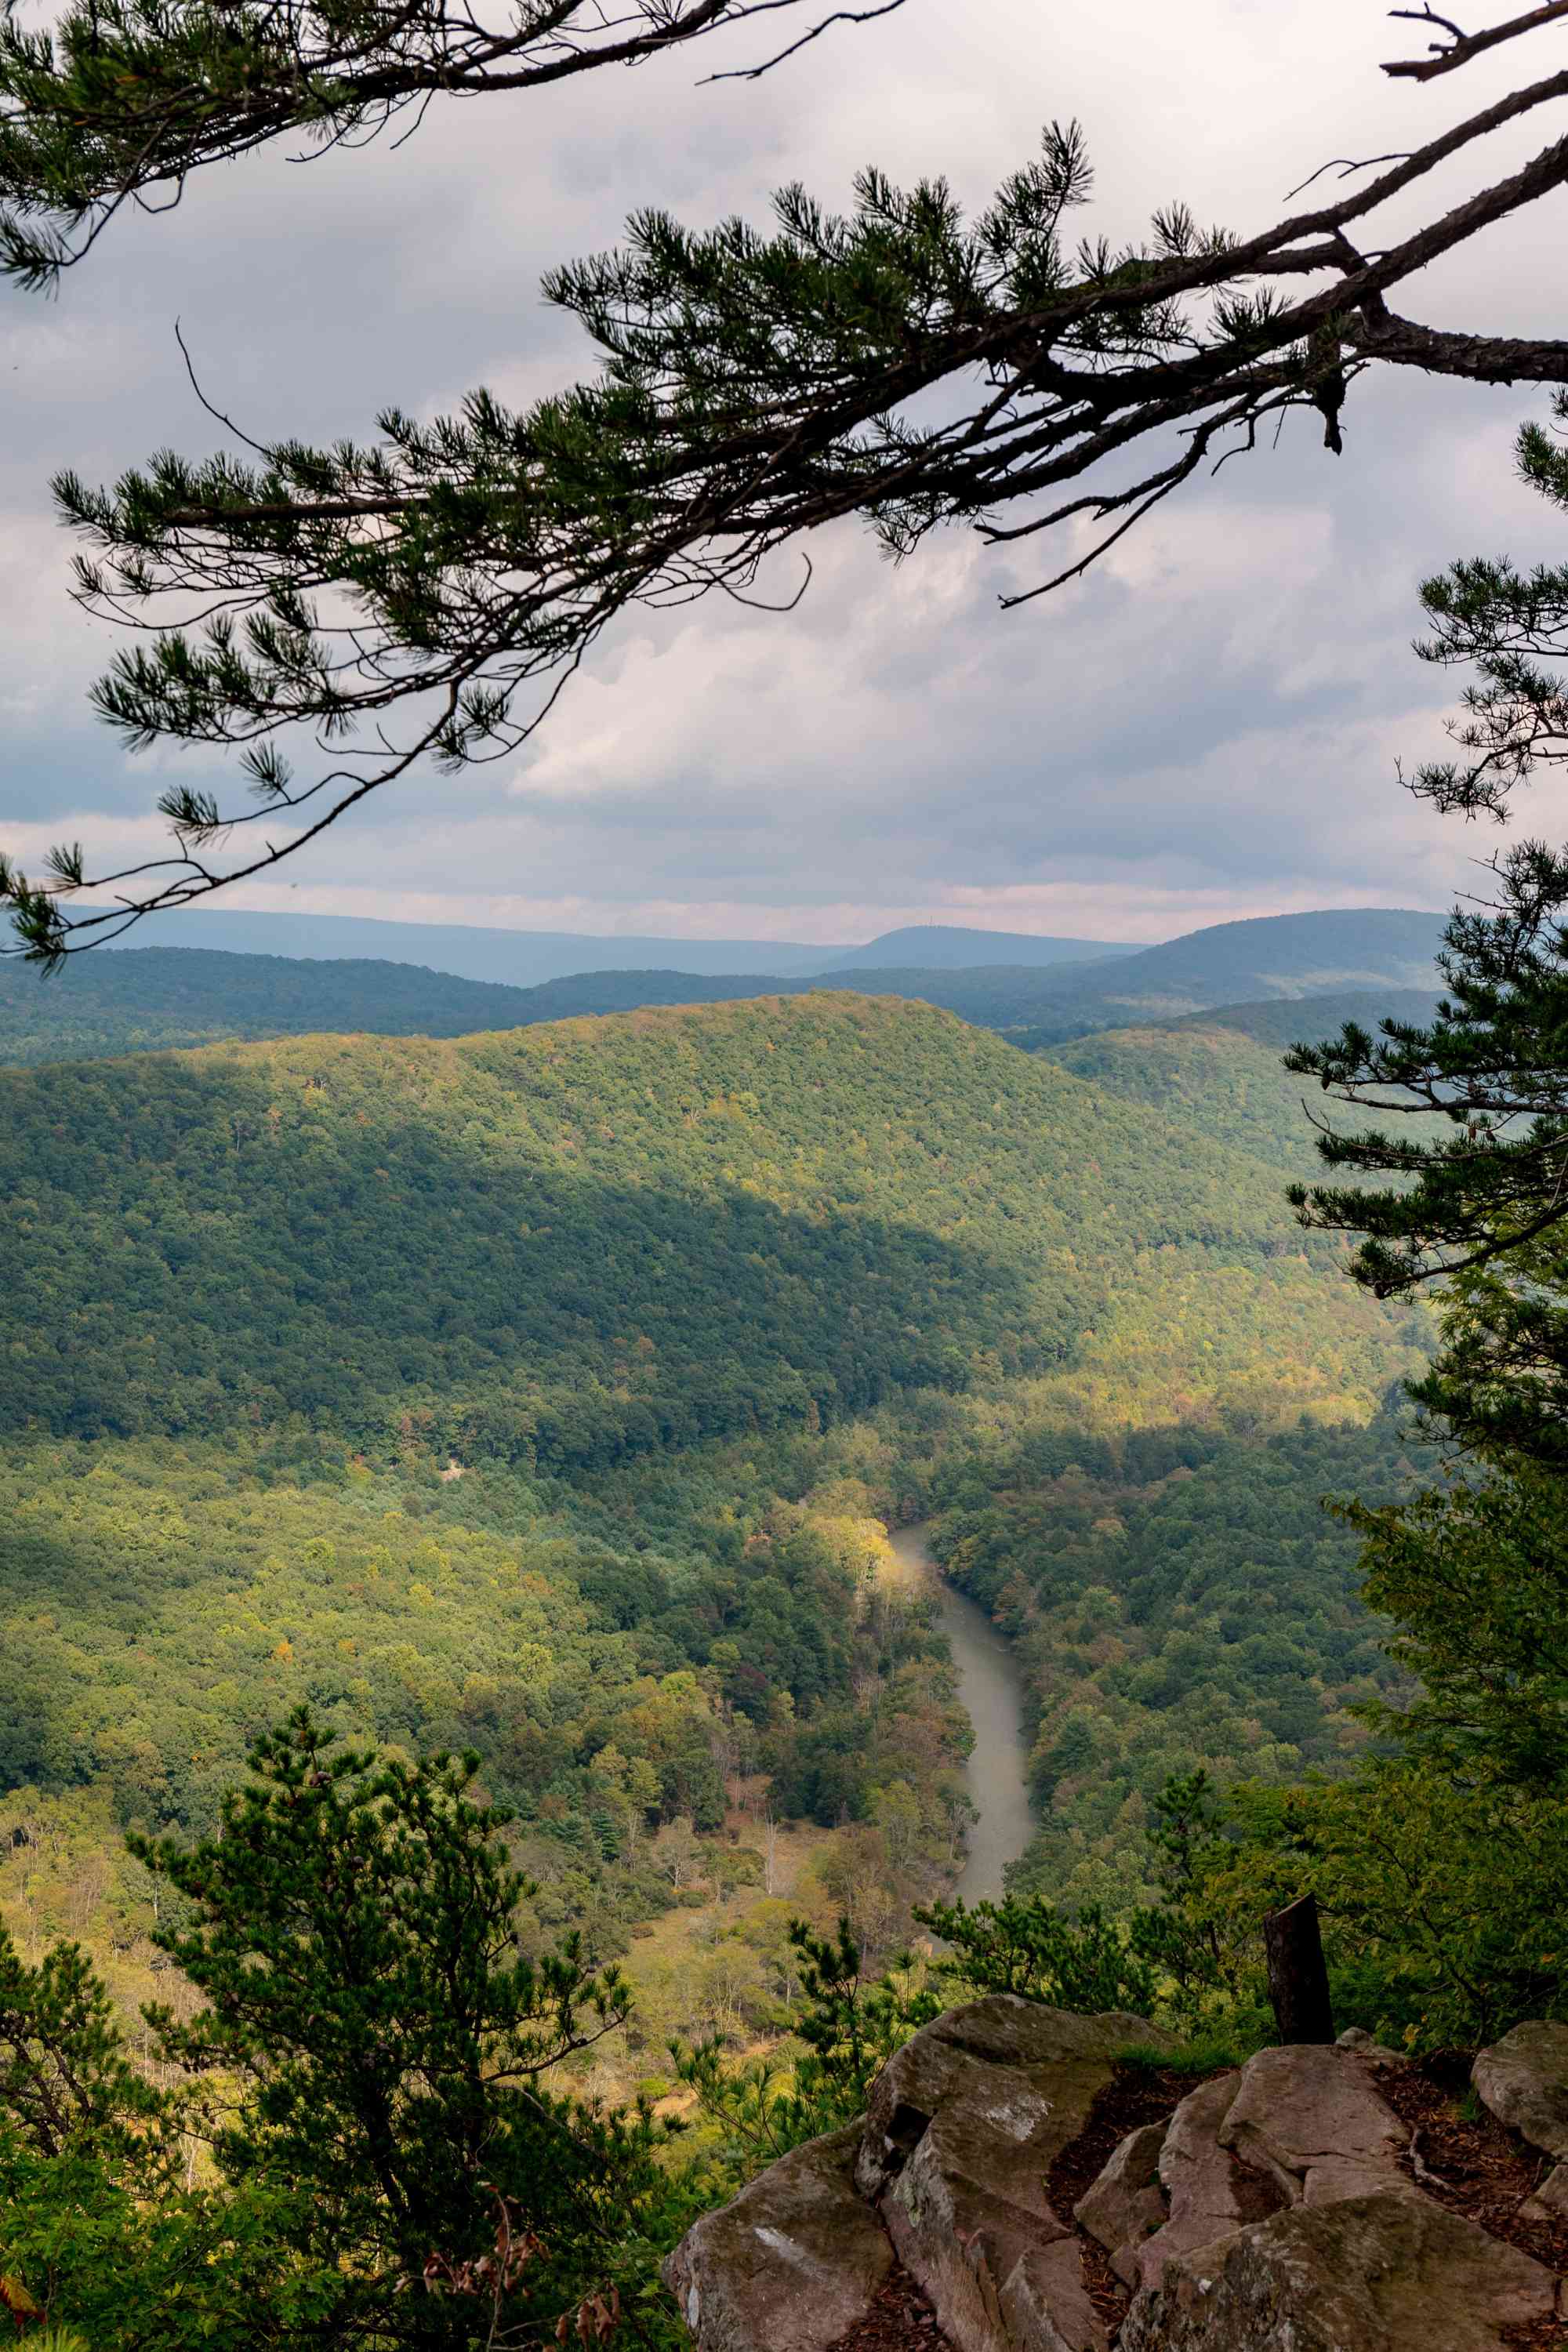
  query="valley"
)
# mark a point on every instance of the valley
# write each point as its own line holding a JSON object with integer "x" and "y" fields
{"x": 549, "y": 1391}
{"x": 783, "y": 1554}
{"x": 816, "y": 1456}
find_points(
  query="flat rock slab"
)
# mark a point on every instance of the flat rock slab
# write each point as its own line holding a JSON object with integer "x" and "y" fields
{"x": 789, "y": 2265}
{"x": 1379, "y": 2273}
{"x": 1311, "y": 2117}
{"x": 991, "y": 2055}
{"x": 1523, "y": 2079}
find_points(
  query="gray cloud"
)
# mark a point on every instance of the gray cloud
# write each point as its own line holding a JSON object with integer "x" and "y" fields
{"x": 1207, "y": 727}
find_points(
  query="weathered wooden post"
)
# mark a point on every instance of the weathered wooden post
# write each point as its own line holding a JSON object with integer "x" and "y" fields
{"x": 1298, "y": 1973}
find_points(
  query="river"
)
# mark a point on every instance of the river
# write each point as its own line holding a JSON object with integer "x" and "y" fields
{"x": 991, "y": 1690}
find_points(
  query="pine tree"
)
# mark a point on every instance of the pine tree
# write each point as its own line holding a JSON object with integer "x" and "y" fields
{"x": 1480, "y": 1207}
{"x": 1513, "y": 627}
{"x": 1443, "y": 1861}
{"x": 67, "y": 2084}
{"x": 352, "y": 1932}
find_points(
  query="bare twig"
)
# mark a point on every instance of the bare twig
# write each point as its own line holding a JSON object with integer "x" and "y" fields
{"x": 1461, "y": 48}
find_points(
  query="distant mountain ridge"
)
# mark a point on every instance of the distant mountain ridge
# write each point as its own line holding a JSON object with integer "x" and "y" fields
{"x": 468, "y": 952}
{"x": 1291, "y": 955}
{"x": 1363, "y": 952}
{"x": 149, "y": 1000}
{"x": 138, "y": 999}
{"x": 1269, "y": 958}
{"x": 526, "y": 959}
{"x": 945, "y": 946}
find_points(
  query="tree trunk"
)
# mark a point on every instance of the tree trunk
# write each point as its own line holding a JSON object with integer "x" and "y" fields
{"x": 1297, "y": 1974}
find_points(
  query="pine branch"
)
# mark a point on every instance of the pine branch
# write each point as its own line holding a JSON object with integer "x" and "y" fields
{"x": 121, "y": 101}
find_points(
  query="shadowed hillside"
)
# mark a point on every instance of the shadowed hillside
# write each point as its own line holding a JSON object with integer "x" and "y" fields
{"x": 595, "y": 1238}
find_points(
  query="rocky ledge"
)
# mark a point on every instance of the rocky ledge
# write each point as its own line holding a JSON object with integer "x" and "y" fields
{"x": 1283, "y": 2206}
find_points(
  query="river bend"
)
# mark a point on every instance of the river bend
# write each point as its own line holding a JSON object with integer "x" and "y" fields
{"x": 991, "y": 1689}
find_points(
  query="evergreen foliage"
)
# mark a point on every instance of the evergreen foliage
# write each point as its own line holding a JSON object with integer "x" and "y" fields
{"x": 1441, "y": 1862}
{"x": 369, "y": 2067}
{"x": 113, "y": 102}
{"x": 353, "y": 1931}
{"x": 66, "y": 2085}
{"x": 1511, "y": 628}
{"x": 1480, "y": 1205}
{"x": 1024, "y": 1946}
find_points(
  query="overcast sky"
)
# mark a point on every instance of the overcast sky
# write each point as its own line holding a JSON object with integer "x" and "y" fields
{"x": 1207, "y": 728}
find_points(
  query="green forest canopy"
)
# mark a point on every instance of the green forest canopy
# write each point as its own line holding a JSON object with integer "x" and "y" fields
{"x": 573, "y": 1244}
{"x": 641, "y": 1277}
{"x": 533, "y": 1393}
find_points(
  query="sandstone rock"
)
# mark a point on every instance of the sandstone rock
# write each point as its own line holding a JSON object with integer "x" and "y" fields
{"x": 1550, "y": 2202}
{"x": 1209, "y": 2190}
{"x": 1523, "y": 2079}
{"x": 791, "y": 2263}
{"x": 1380, "y": 2273}
{"x": 1127, "y": 2204}
{"x": 1308, "y": 2116}
{"x": 1299, "y": 2124}
{"x": 1046, "y": 2307}
{"x": 962, "y": 2245}
{"x": 1357, "y": 2038}
{"x": 964, "y": 2124}
{"x": 1002, "y": 2276}
{"x": 980, "y": 2054}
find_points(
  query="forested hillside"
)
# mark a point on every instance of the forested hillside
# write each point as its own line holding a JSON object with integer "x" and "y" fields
{"x": 1280, "y": 1021}
{"x": 142, "y": 1000}
{"x": 1182, "y": 1599}
{"x": 139, "y": 1000}
{"x": 1224, "y": 1083}
{"x": 1216, "y": 1083}
{"x": 698, "y": 1266}
{"x": 159, "y": 1606}
{"x": 147, "y": 999}
{"x": 567, "y": 1244}
{"x": 267, "y": 1300}
{"x": 545, "y": 1393}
